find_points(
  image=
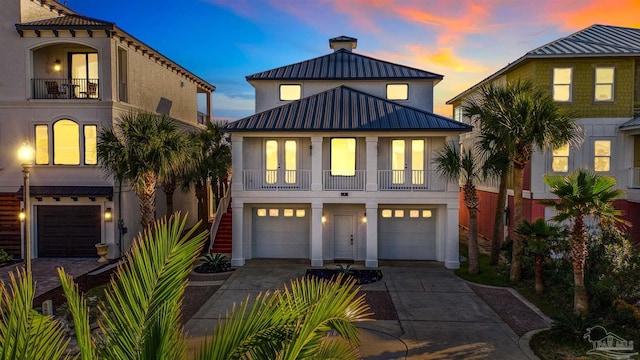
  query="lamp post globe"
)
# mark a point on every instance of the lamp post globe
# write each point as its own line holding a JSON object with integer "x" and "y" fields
{"x": 26, "y": 154}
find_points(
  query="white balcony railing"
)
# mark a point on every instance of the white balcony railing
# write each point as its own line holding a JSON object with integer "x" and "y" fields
{"x": 354, "y": 180}
{"x": 635, "y": 178}
{"x": 276, "y": 180}
{"x": 410, "y": 180}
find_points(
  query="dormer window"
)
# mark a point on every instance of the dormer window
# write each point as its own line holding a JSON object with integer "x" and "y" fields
{"x": 397, "y": 91}
{"x": 290, "y": 92}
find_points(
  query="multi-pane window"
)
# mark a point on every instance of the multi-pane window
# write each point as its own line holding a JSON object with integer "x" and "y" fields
{"x": 604, "y": 84}
{"x": 457, "y": 113}
{"x": 343, "y": 157}
{"x": 562, "y": 84}
{"x": 281, "y": 161}
{"x": 560, "y": 162}
{"x": 407, "y": 161}
{"x": 397, "y": 91}
{"x": 67, "y": 145}
{"x": 602, "y": 155}
{"x": 290, "y": 92}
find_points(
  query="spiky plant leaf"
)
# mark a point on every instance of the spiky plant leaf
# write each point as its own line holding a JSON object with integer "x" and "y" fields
{"x": 24, "y": 333}
{"x": 146, "y": 294}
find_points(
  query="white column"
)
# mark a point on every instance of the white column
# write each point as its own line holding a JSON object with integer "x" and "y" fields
{"x": 316, "y": 234}
{"x": 451, "y": 238}
{"x": 236, "y": 164}
{"x": 316, "y": 163}
{"x": 372, "y": 235}
{"x": 237, "y": 245}
{"x": 372, "y": 163}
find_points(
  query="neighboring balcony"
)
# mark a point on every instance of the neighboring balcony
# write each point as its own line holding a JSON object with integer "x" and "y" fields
{"x": 65, "y": 88}
{"x": 300, "y": 180}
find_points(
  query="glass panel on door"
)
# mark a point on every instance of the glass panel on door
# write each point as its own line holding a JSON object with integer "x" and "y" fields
{"x": 417, "y": 162}
{"x": 397, "y": 161}
{"x": 271, "y": 161}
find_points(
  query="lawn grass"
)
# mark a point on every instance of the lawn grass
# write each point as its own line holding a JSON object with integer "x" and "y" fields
{"x": 488, "y": 275}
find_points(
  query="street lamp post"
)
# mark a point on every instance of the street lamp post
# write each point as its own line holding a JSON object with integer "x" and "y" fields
{"x": 26, "y": 155}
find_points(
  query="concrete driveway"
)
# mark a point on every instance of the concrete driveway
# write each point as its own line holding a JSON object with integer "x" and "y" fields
{"x": 439, "y": 315}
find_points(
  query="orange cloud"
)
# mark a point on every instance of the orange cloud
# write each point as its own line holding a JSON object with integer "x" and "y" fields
{"x": 582, "y": 14}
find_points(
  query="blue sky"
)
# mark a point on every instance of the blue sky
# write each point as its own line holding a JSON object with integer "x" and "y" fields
{"x": 222, "y": 41}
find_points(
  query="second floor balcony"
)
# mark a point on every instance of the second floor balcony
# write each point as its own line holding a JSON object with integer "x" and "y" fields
{"x": 300, "y": 180}
{"x": 57, "y": 88}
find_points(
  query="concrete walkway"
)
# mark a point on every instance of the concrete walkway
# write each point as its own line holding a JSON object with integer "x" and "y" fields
{"x": 45, "y": 272}
{"x": 439, "y": 315}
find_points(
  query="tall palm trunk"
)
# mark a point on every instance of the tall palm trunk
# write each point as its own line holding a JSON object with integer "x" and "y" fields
{"x": 516, "y": 256}
{"x": 539, "y": 272}
{"x": 498, "y": 224}
{"x": 147, "y": 196}
{"x": 169, "y": 187}
{"x": 471, "y": 202}
{"x": 578, "y": 256}
{"x": 203, "y": 209}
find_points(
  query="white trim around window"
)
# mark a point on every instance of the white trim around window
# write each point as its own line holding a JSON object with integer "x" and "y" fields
{"x": 562, "y": 84}
{"x": 603, "y": 89}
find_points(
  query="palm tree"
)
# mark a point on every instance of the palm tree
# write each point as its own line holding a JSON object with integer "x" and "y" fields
{"x": 582, "y": 194}
{"x": 453, "y": 165}
{"x": 214, "y": 154}
{"x": 143, "y": 149}
{"x": 538, "y": 235}
{"x": 520, "y": 119}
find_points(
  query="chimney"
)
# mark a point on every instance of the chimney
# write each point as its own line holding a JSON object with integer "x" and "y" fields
{"x": 343, "y": 42}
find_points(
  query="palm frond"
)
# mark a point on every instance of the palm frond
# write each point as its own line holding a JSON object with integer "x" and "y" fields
{"x": 147, "y": 293}
{"x": 80, "y": 314}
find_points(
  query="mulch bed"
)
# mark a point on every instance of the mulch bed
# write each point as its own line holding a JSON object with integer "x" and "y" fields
{"x": 520, "y": 318}
{"x": 362, "y": 276}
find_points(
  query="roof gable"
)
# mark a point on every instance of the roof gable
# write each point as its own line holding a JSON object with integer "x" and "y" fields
{"x": 345, "y": 109}
{"x": 343, "y": 64}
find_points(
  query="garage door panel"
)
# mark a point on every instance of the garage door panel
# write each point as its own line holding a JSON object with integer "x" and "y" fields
{"x": 68, "y": 231}
{"x": 406, "y": 238}
{"x": 280, "y": 237}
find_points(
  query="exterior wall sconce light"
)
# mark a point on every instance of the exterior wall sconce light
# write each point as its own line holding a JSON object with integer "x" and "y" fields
{"x": 22, "y": 216}
{"x": 108, "y": 215}
{"x": 364, "y": 218}
{"x": 57, "y": 66}
{"x": 324, "y": 219}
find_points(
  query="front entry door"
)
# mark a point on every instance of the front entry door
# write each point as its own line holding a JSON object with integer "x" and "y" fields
{"x": 344, "y": 234}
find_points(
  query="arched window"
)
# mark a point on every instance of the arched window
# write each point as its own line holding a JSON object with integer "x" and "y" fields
{"x": 66, "y": 143}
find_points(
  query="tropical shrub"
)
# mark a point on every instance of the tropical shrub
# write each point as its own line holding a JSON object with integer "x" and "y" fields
{"x": 4, "y": 257}
{"x": 214, "y": 263}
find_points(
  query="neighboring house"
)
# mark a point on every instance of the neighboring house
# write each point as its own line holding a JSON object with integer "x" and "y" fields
{"x": 336, "y": 164}
{"x": 64, "y": 77}
{"x": 595, "y": 74}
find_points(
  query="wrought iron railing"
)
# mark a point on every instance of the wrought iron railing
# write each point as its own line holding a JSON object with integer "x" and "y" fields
{"x": 58, "y": 88}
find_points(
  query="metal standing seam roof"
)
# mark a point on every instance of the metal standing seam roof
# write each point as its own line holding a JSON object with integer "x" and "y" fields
{"x": 595, "y": 41}
{"x": 345, "y": 109}
{"x": 343, "y": 64}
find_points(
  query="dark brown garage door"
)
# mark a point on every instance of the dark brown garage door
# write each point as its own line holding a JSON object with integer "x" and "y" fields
{"x": 67, "y": 231}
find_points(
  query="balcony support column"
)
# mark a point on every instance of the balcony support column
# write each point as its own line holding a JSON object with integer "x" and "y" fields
{"x": 237, "y": 164}
{"x": 372, "y": 164}
{"x": 237, "y": 238}
{"x": 316, "y": 234}
{"x": 372, "y": 235}
{"x": 316, "y": 163}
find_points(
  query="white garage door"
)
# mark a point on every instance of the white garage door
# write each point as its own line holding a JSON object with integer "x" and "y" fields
{"x": 406, "y": 234}
{"x": 280, "y": 232}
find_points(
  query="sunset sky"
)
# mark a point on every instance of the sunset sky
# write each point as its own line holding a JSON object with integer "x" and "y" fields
{"x": 222, "y": 41}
